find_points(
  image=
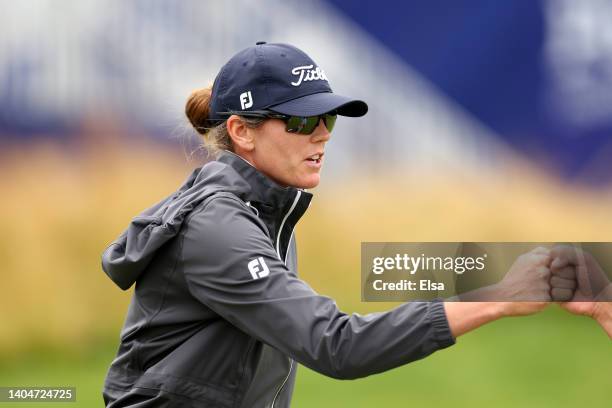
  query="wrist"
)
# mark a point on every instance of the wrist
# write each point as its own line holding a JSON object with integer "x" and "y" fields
{"x": 463, "y": 317}
{"x": 499, "y": 310}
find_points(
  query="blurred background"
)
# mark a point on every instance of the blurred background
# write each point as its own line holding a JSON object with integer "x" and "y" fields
{"x": 489, "y": 121}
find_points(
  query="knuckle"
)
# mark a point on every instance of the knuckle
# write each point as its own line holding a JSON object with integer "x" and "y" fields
{"x": 543, "y": 271}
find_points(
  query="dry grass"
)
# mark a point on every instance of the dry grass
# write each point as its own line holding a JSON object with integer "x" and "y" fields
{"x": 60, "y": 209}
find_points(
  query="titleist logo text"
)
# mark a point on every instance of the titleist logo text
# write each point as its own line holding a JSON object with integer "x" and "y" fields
{"x": 307, "y": 73}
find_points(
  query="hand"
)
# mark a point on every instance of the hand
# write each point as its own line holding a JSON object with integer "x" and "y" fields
{"x": 527, "y": 279}
{"x": 593, "y": 285}
{"x": 602, "y": 311}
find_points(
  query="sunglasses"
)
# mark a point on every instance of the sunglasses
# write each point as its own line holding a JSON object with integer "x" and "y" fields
{"x": 303, "y": 125}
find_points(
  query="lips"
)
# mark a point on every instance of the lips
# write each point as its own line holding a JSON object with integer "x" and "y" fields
{"x": 316, "y": 158}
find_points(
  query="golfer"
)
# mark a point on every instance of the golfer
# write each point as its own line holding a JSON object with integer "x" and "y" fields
{"x": 219, "y": 316}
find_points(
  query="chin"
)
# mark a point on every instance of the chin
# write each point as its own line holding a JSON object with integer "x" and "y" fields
{"x": 308, "y": 182}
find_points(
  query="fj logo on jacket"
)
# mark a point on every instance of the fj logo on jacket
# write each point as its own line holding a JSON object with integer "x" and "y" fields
{"x": 258, "y": 268}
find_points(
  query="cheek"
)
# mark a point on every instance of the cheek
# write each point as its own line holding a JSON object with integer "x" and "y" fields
{"x": 284, "y": 151}
{"x": 289, "y": 166}
{"x": 281, "y": 156}
{"x": 275, "y": 154}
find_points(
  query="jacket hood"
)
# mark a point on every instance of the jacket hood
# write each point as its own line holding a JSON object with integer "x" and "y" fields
{"x": 128, "y": 256}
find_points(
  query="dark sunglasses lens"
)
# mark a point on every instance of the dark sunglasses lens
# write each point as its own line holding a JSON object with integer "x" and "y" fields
{"x": 310, "y": 124}
{"x": 294, "y": 124}
{"x": 302, "y": 124}
{"x": 330, "y": 121}
{"x": 307, "y": 124}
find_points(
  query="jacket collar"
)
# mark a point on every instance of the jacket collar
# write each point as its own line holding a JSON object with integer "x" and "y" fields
{"x": 263, "y": 189}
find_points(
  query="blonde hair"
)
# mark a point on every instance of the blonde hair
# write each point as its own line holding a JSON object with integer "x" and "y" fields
{"x": 215, "y": 138}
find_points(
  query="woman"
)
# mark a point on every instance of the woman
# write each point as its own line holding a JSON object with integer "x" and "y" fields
{"x": 219, "y": 317}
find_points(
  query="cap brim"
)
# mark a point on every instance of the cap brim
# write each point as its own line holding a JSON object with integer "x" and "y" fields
{"x": 320, "y": 103}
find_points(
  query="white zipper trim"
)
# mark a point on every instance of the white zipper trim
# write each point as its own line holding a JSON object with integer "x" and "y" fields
{"x": 280, "y": 230}
{"x": 289, "y": 244}
{"x": 248, "y": 203}
{"x": 278, "y": 237}
{"x": 284, "y": 382}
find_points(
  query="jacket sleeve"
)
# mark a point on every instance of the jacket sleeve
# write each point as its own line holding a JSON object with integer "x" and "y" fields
{"x": 231, "y": 266}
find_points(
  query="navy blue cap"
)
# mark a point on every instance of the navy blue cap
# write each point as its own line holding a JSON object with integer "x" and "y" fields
{"x": 277, "y": 77}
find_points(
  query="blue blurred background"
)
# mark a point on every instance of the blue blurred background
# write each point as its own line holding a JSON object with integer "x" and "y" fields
{"x": 526, "y": 77}
{"x": 488, "y": 121}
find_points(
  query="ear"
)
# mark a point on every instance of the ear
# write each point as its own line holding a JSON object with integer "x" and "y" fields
{"x": 242, "y": 138}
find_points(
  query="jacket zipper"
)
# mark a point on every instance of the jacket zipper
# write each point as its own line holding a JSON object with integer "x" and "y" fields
{"x": 278, "y": 237}
{"x": 280, "y": 230}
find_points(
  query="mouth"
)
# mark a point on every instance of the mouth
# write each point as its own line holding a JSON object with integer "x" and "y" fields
{"x": 315, "y": 158}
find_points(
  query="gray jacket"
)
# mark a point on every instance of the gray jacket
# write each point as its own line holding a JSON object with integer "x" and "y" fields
{"x": 219, "y": 317}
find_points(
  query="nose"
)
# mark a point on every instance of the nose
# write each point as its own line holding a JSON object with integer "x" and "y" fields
{"x": 320, "y": 134}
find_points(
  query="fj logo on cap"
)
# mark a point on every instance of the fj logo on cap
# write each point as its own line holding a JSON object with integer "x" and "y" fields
{"x": 307, "y": 73}
{"x": 258, "y": 268}
{"x": 246, "y": 100}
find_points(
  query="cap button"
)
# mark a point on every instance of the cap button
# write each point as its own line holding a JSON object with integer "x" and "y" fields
{"x": 260, "y": 42}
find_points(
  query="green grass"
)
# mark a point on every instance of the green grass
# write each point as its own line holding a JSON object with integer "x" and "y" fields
{"x": 549, "y": 360}
{"x": 84, "y": 369}
{"x": 55, "y": 293}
